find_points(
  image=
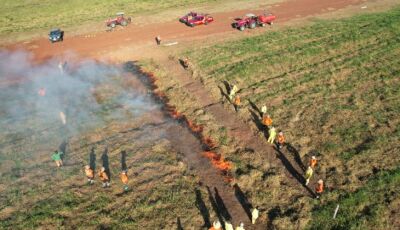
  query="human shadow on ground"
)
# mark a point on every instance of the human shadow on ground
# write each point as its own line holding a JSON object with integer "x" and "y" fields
{"x": 243, "y": 200}
{"x": 63, "y": 148}
{"x": 293, "y": 171}
{"x": 123, "y": 160}
{"x": 221, "y": 206}
{"x": 257, "y": 121}
{"x": 227, "y": 86}
{"x": 215, "y": 207}
{"x": 178, "y": 223}
{"x": 296, "y": 156}
{"x": 224, "y": 96}
{"x": 255, "y": 108}
{"x": 203, "y": 209}
{"x": 92, "y": 159}
{"x": 106, "y": 164}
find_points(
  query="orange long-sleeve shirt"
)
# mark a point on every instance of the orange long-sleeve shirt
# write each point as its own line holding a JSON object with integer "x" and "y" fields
{"x": 319, "y": 188}
{"x": 89, "y": 173}
{"x": 267, "y": 121}
{"x": 124, "y": 178}
{"x": 103, "y": 176}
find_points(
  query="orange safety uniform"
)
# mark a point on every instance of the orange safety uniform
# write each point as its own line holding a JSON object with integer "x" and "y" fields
{"x": 319, "y": 188}
{"x": 237, "y": 100}
{"x": 313, "y": 162}
{"x": 281, "y": 139}
{"x": 267, "y": 121}
{"x": 103, "y": 176}
{"x": 124, "y": 178}
{"x": 89, "y": 173}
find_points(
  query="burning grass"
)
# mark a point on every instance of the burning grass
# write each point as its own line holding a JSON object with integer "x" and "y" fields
{"x": 209, "y": 144}
{"x": 333, "y": 88}
{"x": 39, "y": 195}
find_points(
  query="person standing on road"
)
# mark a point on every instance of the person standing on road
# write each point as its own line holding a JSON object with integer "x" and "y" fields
{"x": 57, "y": 157}
{"x": 158, "y": 40}
{"x": 309, "y": 173}
{"x": 89, "y": 174}
{"x": 104, "y": 177}
{"x": 319, "y": 189}
{"x": 272, "y": 135}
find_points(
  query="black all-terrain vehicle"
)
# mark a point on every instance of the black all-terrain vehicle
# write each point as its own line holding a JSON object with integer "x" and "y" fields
{"x": 56, "y": 35}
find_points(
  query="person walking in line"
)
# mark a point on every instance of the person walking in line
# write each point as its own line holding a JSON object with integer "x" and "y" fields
{"x": 319, "y": 189}
{"x": 281, "y": 140}
{"x": 240, "y": 227}
{"x": 124, "y": 179}
{"x": 228, "y": 225}
{"x": 263, "y": 110}
{"x": 216, "y": 226}
{"x": 236, "y": 103}
{"x": 57, "y": 157}
{"x": 309, "y": 173}
{"x": 254, "y": 215}
{"x": 89, "y": 174}
{"x": 232, "y": 92}
{"x": 313, "y": 162}
{"x": 272, "y": 135}
{"x": 104, "y": 177}
{"x": 267, "y": 121}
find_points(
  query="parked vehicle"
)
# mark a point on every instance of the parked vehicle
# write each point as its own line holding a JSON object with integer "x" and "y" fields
{"x": 251, "y": 21}
{"x": 188, "y": 16}
{"x": 56, "y": 35}
{"x": 200, "y": 20}
{"x": 119, "y": 20}
{"x": 195, "y": 19}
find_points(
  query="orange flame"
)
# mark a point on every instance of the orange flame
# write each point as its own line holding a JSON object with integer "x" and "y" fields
{"x": 216, "y": 159}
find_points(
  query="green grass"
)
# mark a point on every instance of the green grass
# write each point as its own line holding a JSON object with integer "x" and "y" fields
{"x": 342, "y": 75}
{"x": 332, "y": 86}
{"x": 24, "y": 15}
{"x": 365, "y": 208}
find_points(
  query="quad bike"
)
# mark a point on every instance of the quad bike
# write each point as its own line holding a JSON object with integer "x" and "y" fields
{"x": 119, "y": 20}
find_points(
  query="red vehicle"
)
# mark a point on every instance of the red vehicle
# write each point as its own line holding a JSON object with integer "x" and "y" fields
{"x": 188, "y": 16}
{"x": 119, "y": 20}
{"x": 195, "y": 19}
{"x": 252, "y": 21}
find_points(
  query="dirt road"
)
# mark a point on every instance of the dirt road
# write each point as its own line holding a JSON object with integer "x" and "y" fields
{"x": 96, "y": 45}
{"x": 135, "y": 35}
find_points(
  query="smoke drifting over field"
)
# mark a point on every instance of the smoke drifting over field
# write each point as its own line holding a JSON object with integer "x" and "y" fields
{"x": 71, "y": 97}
